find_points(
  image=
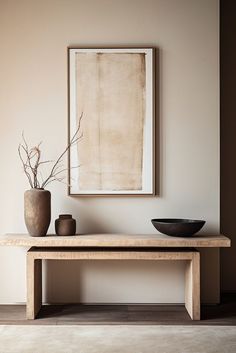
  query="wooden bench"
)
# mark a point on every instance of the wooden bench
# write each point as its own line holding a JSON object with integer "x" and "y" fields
{"x": 114, "y": 247}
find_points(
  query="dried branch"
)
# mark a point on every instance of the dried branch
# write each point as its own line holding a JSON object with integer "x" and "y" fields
{"x": 73, "y": 140}
{"x": 25, "y": 166}
{"x": 59, "y": 172}
{"x": 30, "y": 159}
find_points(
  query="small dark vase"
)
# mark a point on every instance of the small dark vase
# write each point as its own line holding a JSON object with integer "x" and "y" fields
{"x": 37, "y": 209}
{"x": 65, "y": 225}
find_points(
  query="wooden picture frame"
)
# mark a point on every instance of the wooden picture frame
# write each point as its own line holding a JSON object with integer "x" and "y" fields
{"x": 113, "y": 88}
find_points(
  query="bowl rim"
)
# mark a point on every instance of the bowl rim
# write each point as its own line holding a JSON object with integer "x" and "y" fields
{"x": 177, "y": 221}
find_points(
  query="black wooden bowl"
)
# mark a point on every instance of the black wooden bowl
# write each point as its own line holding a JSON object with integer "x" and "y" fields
{"x": 177, "y": 227}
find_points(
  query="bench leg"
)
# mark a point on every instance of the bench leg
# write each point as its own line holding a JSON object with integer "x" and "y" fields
{"x": 192, "y": 287}
{"x": 34, "y": 286}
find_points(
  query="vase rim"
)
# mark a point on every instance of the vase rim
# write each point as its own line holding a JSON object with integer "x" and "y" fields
{"x": 37, "y": 189}
{"x": 65, "y": 216}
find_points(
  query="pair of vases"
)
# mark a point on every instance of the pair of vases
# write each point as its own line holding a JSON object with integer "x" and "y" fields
{"x": 37, "y": 210}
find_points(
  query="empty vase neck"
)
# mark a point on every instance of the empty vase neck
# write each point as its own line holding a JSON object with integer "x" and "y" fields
{"x": 65, "y": 216}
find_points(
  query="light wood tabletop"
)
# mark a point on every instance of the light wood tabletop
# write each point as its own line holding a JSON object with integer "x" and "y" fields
{"x": 116, "y": 240}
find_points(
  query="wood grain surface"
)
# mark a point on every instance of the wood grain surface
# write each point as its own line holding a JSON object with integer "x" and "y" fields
{"x": 116, "y": 240}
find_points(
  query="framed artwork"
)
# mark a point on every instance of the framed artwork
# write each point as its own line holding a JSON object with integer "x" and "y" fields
{"x": 113, "y": 90}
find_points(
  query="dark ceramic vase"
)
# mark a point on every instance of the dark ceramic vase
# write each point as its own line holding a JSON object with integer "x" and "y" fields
{"x": 65, "y": 225}
{"x": 37, "y": 211}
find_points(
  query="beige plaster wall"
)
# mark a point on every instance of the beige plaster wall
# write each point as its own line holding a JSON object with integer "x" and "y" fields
{"x": 33, "y": 97}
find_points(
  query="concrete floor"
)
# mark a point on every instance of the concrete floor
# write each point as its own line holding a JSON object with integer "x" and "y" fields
{"x": 223, "y": 314}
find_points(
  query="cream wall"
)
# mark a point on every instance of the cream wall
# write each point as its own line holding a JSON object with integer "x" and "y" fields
{"x": 33, "y": 97}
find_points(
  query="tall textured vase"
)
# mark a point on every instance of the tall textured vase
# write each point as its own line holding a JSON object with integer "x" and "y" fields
{"x": 37, "y": 211}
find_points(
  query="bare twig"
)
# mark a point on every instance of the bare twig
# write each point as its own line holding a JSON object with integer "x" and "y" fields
{"x": 31, "y": 161}
{"x": 73, "y": 140}
{"x": 59, "y": 172}
{"x": 25, "y": 166}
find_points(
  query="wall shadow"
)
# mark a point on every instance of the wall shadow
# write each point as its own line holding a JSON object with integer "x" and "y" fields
{"x": 228, "y": 140}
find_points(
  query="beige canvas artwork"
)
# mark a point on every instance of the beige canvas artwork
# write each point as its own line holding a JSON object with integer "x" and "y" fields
{"x": 111, "y": 93}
